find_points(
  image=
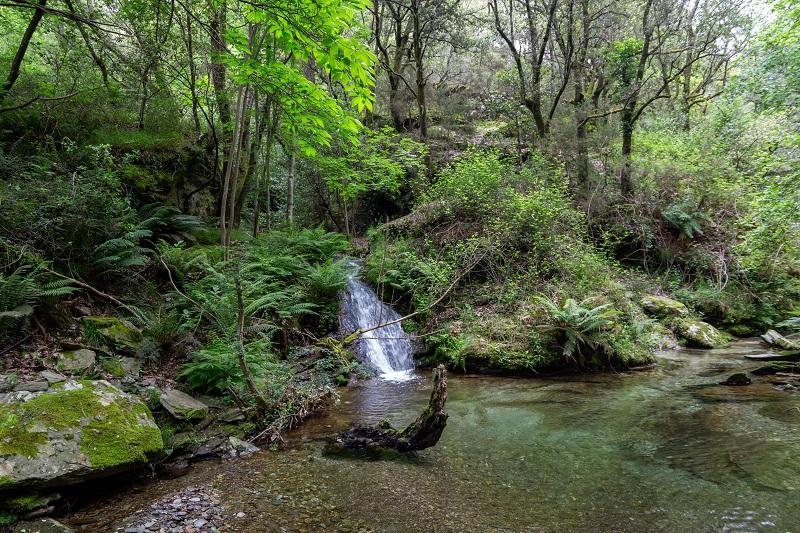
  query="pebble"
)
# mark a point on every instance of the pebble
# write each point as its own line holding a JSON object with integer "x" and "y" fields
{"x": 193, "y": 510}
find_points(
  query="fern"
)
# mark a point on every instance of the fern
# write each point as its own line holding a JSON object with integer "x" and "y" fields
{"x": 122, "y": 252}
{"x": 685, "y": 218}
{"x": 21, "y": 292}
{"x": 577, "y": 325}
{"x": 169, "y": 224}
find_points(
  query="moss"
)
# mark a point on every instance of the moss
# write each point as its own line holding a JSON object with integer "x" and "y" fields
{"x": 15, "y": 437}
{"x": 113, "y": 366}
{"x": 5, "y": 480}
{"x": 110, "y": 331}
{"x": 662, "y": 306}
{"x": 112, "y": 434}
{"x": 26, "y": 503}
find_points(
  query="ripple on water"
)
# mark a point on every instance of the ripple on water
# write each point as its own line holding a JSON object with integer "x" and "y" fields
{"x": 650, "y": 451}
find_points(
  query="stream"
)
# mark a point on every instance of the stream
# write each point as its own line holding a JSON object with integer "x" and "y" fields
{"x": 655, "y": 450}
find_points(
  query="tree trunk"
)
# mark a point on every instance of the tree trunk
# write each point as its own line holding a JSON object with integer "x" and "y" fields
{"x": 290, "y": 184}
{"x": 625, "y": 184}
{"x": 16, "y": 63}
{"x": 423, "y": 433}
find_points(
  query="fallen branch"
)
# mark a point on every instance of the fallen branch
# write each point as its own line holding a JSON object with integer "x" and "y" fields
{"x": 98, "y": 292}
{"x": 423, "y": 433}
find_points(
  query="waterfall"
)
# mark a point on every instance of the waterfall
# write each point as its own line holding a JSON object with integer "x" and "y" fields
{"x": 386, "y": 349}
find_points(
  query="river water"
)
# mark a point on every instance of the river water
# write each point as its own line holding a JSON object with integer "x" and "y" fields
{"x": 657, "y": 450}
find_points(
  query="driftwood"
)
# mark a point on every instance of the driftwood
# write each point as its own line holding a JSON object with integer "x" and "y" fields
{"x": 423, "y": 433}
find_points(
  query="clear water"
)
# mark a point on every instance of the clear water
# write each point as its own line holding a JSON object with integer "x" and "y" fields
{"x": 386, "y": 349}
{"x": 660, "y": 450}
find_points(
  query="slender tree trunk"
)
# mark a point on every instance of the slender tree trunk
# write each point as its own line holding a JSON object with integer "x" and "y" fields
{"x": 625, "y": 183}
{"x": 395, "y": 106}
{"x": 88, "y": 42}
{"x": 192, "y": 68}
{"x": 290, "y": 184}
{"x": 233, "y": 154}
{"x": 16, "y": 63}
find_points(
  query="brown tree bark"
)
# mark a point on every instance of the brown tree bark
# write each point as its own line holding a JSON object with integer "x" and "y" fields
{"x": 423, "y": 433}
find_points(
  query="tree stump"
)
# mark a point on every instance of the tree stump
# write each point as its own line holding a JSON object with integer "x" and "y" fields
{"x": 423, "y": 433}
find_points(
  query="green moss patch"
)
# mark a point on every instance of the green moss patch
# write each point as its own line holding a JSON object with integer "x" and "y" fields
{"x": 114, "y": 429}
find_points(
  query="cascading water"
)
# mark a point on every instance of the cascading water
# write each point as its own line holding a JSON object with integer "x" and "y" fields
{"x": 387, "y": 349}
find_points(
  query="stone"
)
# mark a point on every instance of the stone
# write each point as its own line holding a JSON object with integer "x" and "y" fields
{"x": 74, "y": 432}
{"x": 737, "y": 379}
{"x": 231, "y": 415}
{"x": 700, "y": 334}
{"x": 236, "y": 447}
{"x": 182, "y": 406}
{"x": 77, "y": 361}
{"x": 112, "y": 333}
{"x": 661, "y": 306}
{"x": 773, "y": 338}
{"x": 52, "y": 377}
{"x": 7, "y": 382}
{"x": 32, "y": 386}
{"x": 41, "y": 525}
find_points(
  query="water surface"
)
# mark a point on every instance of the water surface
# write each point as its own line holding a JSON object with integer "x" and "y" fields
{"x": 658, "y": 450}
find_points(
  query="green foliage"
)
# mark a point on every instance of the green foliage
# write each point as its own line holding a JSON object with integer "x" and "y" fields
{"x": 577, "y": 325}
{"x": 686, "y": 218}
{"x": 471, "y": 184}
{"x": 215, "y": 368}
{"x": 21, "y": 292}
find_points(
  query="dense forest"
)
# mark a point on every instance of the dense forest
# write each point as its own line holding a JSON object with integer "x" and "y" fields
{"x": 536, "y": 187}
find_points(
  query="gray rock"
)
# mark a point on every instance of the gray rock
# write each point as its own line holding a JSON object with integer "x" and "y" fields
{"x": 182, "y": 406}
{"x": 233, "y": 414}
{"x": 235, "y": 447}
{"x": 77, "y": 361}
{"x": 72, "y": 433}
{"x": 52, "y": 377}
{"x": 7, "y": 382}
{"x": 32, "y": 386}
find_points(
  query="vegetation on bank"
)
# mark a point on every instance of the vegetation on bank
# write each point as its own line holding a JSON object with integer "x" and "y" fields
{"x": 179, "y": 182}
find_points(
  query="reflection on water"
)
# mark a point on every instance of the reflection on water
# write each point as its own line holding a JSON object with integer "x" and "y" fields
{"x": 659, "y": 450}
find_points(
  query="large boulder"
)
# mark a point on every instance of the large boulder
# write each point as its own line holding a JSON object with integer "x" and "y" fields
{"x": 73, "y": 432}
{"x": 182, "y": 406}
{"x": 661, "y": 306}
{"x": 700, "y": 334}
{"x": 112, "y": 333}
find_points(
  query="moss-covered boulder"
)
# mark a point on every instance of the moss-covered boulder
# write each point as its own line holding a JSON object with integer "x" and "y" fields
{"x": 661, "y": 306}
{"x": 700, "y": 334}
{"x": 112, "y": 333}
{"x": 73, "y": 432}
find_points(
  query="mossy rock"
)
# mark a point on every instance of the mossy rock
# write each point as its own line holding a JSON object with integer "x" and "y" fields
{"x": 700, "y": 334}
{"x": 77, "y": 361}
{"x": 21, "y": 504}
{"x": 661, "y": 306}
{"x": 182, "y": 406}
{"x": 112, "y": 333}
{"x": 74, "y": 432}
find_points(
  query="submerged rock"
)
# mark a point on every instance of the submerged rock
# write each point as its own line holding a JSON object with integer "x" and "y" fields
{"x": 699, "y": 333}
{"x": 737, "y": 379}
{"x": 182, "y": 406}
{"x": 662, "y": 306}
{"x": 74, "y": 432}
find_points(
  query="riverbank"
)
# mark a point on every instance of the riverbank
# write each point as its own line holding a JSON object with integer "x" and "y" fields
{"x": 659, "y": 450}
